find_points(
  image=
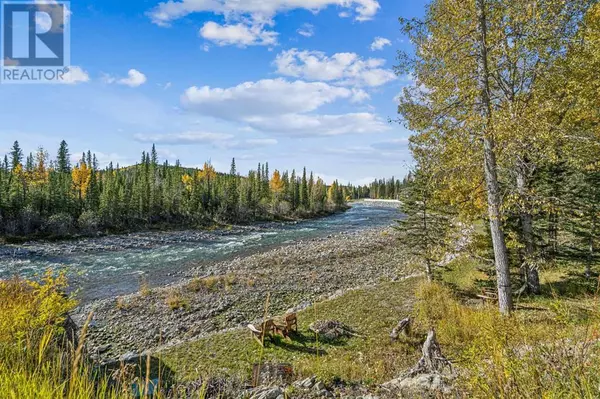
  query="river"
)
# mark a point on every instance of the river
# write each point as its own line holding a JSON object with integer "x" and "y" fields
{"x": 115, "y": 265}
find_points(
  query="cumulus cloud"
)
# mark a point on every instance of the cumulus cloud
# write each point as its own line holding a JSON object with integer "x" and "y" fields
{"x": 344, "y": 68}
{"x": 240, "y": 34}
{"x": 166, "y": 12}
{"x": 278, "y": 106}
{"x": 379, "y": 43}
{"x": 307, "y": 30}
{"x": 183, "y": 138}
{"x": 263, "y": 98}
{"x": 320, "y": 125}
{"x": 134, "y": 79}
{"x": 75, "y": 75}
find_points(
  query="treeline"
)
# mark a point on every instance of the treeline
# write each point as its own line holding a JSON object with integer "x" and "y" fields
{"x": 506, "y": 114}
{"x": 42, "y": 196}
{"x": 378, "y": 189}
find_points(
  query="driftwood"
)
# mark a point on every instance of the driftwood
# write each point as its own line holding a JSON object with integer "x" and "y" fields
{"x": 403, "y": 328}
{"x": 432, "y": 360}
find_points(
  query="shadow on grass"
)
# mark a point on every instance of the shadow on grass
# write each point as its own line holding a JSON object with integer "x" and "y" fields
{"x": 305, "y": 343}
{"x": 573, "y": 286}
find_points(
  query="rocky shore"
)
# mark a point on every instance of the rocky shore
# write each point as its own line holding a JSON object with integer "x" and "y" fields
{"x": 228, "y": 294}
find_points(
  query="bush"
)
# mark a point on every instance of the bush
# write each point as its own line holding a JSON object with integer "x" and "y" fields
{"x": 60, "y": 224}
{"x": 29, "y": 309}
{"x": 175, "y": 301}
{"x": 30, "y": 220}
{"x": 88, "y": 222}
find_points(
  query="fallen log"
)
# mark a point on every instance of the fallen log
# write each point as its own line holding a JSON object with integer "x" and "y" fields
{"x": 403, "y": 328}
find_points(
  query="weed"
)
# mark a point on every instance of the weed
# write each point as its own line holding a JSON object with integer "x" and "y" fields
{"x": 175, "y": 300}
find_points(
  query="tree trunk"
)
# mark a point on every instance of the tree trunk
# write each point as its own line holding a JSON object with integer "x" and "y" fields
{"x": 491, "y": 174}
{"x": 530, "y": 272}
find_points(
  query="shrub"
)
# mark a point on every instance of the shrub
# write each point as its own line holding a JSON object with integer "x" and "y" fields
{"x": 175, "y": 301}
{"x": 29, "y": 309}
{"x": 211, "y": 283}
{"x": 60, "y": 224}
{"x": 88, "y": 222}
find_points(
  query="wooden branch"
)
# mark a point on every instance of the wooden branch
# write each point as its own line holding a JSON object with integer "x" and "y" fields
{"x": 403, "y": 328}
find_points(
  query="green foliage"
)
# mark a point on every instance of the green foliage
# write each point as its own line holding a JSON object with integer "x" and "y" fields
{"x": 425, "y": 230}
{"x": 54, "y": 198}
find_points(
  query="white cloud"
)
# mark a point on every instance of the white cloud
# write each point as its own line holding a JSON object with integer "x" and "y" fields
{"x": 320, "y": 125}
{"x": 167, "y": 86}
{"x": 166, "y": 12}
{"x": 134, "y": 79}
{"x": 190, "y": 137}
{"x": 263, "y": 98}
{"x": 75, "y": 75}
{"x": 358, "y": 96}
{"x": 249, "y": 144}
{"x": 307, "y": 30}
{"x": 379, "y": 43}
{"x": 278, "y": 106}
{"x": 219, "y": 140}
{"x": 241, "y": 34}
{"x": 345, "y": 68}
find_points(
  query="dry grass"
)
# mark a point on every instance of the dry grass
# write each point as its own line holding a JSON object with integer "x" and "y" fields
{"x": 546, "y": 349}
{"x": 212, "y": 283}
{"x": 175, "y": 300}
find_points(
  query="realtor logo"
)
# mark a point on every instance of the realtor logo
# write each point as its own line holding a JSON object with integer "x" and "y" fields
{"x": 35, "y": 41}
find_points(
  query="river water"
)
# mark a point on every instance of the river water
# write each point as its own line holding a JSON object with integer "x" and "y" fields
{"x": 114, "y": 265}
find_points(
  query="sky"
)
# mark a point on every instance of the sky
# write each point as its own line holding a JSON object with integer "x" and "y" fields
{"x": 292, "y": 82}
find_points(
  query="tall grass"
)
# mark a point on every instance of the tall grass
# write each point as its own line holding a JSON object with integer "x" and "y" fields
{"x": 534, "y": 353}
{"x": 38, "y": 359}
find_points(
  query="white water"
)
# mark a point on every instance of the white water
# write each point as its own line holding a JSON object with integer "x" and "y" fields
{"x": 104, "y": 271}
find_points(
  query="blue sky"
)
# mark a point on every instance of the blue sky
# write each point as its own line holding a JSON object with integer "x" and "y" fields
{"x": 291, "y": 82}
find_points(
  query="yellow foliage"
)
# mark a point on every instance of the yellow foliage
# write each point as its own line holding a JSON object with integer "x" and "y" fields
{"x": 276, "y": 183}
{"x": 81, "y": 176}
{"x": 207, "y": 172}
{"x": 30, "y": 307}
{"x": 187, "y": 181}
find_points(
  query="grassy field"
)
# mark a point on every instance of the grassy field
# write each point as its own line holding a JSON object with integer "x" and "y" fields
{"x": 547, "y": 348}
{"x": 370, "y": 359}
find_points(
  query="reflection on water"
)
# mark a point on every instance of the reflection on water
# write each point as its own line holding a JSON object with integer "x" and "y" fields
{"x": 101, "y": 273}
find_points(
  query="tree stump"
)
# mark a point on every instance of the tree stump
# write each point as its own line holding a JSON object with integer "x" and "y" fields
{"x": 432, "y": 361}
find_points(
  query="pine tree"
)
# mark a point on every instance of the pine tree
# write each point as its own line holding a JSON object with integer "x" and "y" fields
{"x": 304, "y": 200}
{"x": 426, "y": 226}
{"x": 16, "y": 155}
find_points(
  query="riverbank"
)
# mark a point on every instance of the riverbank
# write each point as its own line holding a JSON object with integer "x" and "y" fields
{"x": 216, "y": 296}
{"x": 109, "y": 266}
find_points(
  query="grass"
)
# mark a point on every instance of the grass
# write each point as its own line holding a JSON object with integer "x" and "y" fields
{"x": 38, "y": 359}
{"x": 547, "y": 348}
{"x": 175, "y": 300}
{"x": 211, "y": 283}
{"x": 372, "y": 312}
